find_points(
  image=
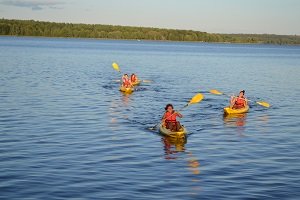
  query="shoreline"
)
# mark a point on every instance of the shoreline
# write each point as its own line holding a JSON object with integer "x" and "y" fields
{"x": 143, "y": 40}
{"x": 32, "y": 28}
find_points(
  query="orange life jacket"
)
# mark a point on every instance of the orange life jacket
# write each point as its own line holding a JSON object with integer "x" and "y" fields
{"x": 239, "y": 102}
{"x": 133, "y": 78}
{"x": 170, "y": 117}
{"x": 126, "y": 81}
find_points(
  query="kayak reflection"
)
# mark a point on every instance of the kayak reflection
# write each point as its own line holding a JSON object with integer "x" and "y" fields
{"x": 173, "y": 145}
{"x": 126, "y": 99}
{"x": 235, "y": 119}
{"x": 193, "y": 164}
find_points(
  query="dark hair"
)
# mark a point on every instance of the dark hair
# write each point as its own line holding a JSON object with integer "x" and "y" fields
{"x": 168, "y": 105}
{"x": 243, "y": 91}
{"x": 125, "y": 74}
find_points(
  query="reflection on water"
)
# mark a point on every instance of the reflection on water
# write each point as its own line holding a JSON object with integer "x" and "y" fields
{"x": 66, "y": 128}
{"x": 193, "y": 164}
{"x": 238, "y": 120}
{"x": 174, "y": 148}
{"x": 263, "y": 118}
{"x": 125, "y": 99}
{"x": 113, "y": 114}
{"x": 173, "y": 145}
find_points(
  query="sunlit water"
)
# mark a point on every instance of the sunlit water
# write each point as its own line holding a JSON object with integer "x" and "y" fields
{"x": 67, "y": 132}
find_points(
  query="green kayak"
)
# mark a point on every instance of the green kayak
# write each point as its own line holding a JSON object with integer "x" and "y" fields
{"x": 167, "y": 132}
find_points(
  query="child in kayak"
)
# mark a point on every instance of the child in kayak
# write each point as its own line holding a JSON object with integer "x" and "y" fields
{"x": 133, "y": 78}
{"x": 169, "y": 119}
{"x": 126, "y": 81}
{"x": 239, "y": 102}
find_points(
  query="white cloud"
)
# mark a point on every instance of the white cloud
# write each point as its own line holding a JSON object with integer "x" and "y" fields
{"x": 34, "y": 4}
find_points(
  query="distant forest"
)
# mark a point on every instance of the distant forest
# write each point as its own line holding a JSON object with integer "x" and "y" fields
{"x": 52, "y": 29}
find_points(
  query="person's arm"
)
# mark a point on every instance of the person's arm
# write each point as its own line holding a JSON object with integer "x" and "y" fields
{"x": 232, "y": 101}
{"x": 163, "y": 119}
{"x": 178, "y": 114}
{"x": 245, "y": 102}
{"x": 130, "y": 83}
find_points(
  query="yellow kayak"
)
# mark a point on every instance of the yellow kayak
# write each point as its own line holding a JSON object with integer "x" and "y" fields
{"x": 136, "y": 83}
{"x": 167, "y": 132}
{"x": 127, "y": 90}
{"x": 229, "y": 110}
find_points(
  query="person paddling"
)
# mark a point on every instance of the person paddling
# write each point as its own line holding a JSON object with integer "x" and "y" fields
{"x": 134, "y": 78}
{"x": 169, "y": 118}
{"x": 126, "y": 81}
{"x": 239, "y": 101}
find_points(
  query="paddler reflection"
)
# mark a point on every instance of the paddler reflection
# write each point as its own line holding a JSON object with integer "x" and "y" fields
{"x": 238, "y": 120}
{"x": 173, "y": 145}
{"x": 126, "y": 99}
{"x": 193, "y": 164}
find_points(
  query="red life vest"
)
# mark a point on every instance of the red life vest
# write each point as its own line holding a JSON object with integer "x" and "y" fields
{"x": 170, "y": 117}
{"x": 239, "y": 102}
{"x": 133, "y": 78}
{"x": 126, "y": 81}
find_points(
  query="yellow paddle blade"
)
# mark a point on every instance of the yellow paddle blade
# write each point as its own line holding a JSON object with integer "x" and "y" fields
{"x": 147, "y": 81}
{"x": 116, "y": 67}
{"x": 262, "y": 103}
{"x": 215, "y": 92}
{"x": 197, "y": 98}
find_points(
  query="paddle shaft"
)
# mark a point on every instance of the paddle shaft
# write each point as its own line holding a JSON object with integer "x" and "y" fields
{"x": 177, "y": 112}
{"x": 154, "y": 127}
{"x": 236, "y": 96}
{"x": 261, "y": 103}
{"x": 196, "y": 99}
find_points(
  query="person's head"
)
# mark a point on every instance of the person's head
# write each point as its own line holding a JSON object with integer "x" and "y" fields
{"x": 126, "y": 75}
{"x": 242, "y": 93}
{"x": 132, "y": 74}
{"x": 169, "y": 108}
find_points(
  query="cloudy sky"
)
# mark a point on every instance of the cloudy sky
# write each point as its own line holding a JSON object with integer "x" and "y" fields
{"x": 218, "y": 16}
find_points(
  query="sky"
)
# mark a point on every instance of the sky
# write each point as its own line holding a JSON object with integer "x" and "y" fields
{"x": 213, "y": 16}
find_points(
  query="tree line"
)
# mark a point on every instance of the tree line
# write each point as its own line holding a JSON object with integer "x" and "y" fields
{"x": 53, "y": 29}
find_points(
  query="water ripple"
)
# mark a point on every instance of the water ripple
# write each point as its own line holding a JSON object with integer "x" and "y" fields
{"x": 67, "y": 132}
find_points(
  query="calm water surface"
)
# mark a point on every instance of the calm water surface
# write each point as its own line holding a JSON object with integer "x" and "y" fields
{"x": 67, "y": 132}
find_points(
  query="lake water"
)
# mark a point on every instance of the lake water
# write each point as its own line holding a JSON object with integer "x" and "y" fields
{"x": 68, "y": 133}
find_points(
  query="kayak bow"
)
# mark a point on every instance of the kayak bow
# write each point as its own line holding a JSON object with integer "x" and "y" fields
{"x": 127, "y": 90}
{"x": 229, "y": 110}
{"x": 167, "y": 132}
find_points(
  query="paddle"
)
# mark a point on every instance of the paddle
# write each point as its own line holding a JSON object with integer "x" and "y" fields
{"x": 196, "y": 99}
{"x": 116, "y": 67}
{"x": 262, "y": 103}
{"x": 146, "y": 81}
